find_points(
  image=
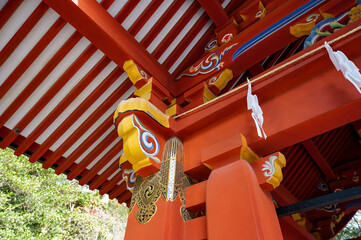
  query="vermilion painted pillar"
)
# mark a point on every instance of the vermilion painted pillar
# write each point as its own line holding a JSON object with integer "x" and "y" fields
{"x": 157, "y": 208}
{"x": 237, "y": 199}
{"x": 237, "y": 207}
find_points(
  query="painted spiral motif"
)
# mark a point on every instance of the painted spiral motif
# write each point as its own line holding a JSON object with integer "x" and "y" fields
{"x": 210, "y": 63}
{"x": 207, "y": 64}
{"x": 330, "y": 208}
{"x": 211, "y": 45}
{"x": 325, "y": 28}
{"x": 212, "y": 80}
{"x": 144, "y": 74}
{"x": 129, "y": 177}
{"x": 312, "y": 17}
{"x": 269, "y": 167}
{"x": 261, "y": 13}
{"x": 323, "y": 186}
{"x": 148, "y": 142}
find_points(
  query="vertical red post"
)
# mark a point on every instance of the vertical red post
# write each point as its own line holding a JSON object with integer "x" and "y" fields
{"x": 237, "y": 207}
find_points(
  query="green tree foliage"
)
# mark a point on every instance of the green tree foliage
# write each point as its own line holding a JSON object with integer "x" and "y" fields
{"x": 352, "y": 229}
{"x": 38, "y": 204}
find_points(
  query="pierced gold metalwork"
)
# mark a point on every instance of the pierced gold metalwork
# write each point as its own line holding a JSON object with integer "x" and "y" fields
{"x": 169, "y": 183}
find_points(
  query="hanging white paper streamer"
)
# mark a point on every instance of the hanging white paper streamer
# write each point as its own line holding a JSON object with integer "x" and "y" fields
{"x": 257, "y": 114}
{"x": 347, "y": 67}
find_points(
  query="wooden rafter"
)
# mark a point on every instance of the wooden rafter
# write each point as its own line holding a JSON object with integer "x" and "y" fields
{"x": 215, "y": 11}
{"x": 96, "y": 24}
{"x": 8, "y": 10}
{"x": 23, "y": 31}
{"x": 317, "y": 157}
{"x": 283, "y": 196}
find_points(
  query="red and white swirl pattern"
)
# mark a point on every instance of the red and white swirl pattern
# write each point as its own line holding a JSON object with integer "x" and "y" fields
{"x": 148, "y": 142}
{"x": 129, "y": 178}
{"x": 211, "y": 45}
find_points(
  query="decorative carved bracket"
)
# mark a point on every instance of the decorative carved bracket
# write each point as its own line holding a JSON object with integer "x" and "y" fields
{"x": 128, "y": 175}
{"x": 154, "y": 93}
{"x": 269, "y": 170}
{"x": 144, "y": 130}
{"x": 137, "y": 75}
{"x": 141, "y": 146}
{"x": 218, "y": 82}
{"x": 147, "y": 87}
{"x": 322, "y": 22}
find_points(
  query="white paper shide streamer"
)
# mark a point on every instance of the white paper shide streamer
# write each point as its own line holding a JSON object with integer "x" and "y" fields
{"x": 257, "y": 114}
{"x": 347, "y": 67}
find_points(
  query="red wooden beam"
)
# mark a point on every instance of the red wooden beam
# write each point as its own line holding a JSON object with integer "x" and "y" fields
{"x": 308, "y": 191}
{"x": 32, "y": 55}
{"x": 172, "y": 34}
{"x": 85, "y": 145}
{"x": 215, "y": 11}
{"x": 308, "y": 169}
{"x": 92, "y": 155}
{"x": 354, "y": 165}
{"x": 120, "y": 189}
{"x": 100, "y": 164}
{"x": 97, "y": 25}
{"x": 357, "y": 127}
{"x": 54, "y": 89}
{"x": 64, "y": 103}
{"x": 196, "y": 51}
{"x": 107, "y": 173}
{"x": 184, "y": 43}
{"x": 111, "y": 184}
{"x": 335, "y": 153}
{"x": 293, "y": 166}
{"x": 8, "y": 10}
{"x": 163, "y": 20}
{"x": 117, "y": 190}
{"x": 308, "y": 185}
{"x": 317, "y": 157}
{"x": 37, "y": 80}
{"x": 291, "y": 230}
{"x": 126, "y": 10}
{"x": 325, "y": 141}
{"x": 283, "y": 196}
{"x": 57, "y": 86}
{"x": 296, "y": 104}
{"x": 249, "y": 49}
{"x": 144, "y": 17}
{"x": 110, "y": 101}
{"x": 125, "y": 196}
{"x": 343, "y": 223}
{"x": 269, "y": 45}
{"x": 112, "y": 77}
{"x": 23, "y": 31}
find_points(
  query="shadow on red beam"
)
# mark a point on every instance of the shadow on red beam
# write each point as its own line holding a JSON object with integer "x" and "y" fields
{"x": 303, "y": 100}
